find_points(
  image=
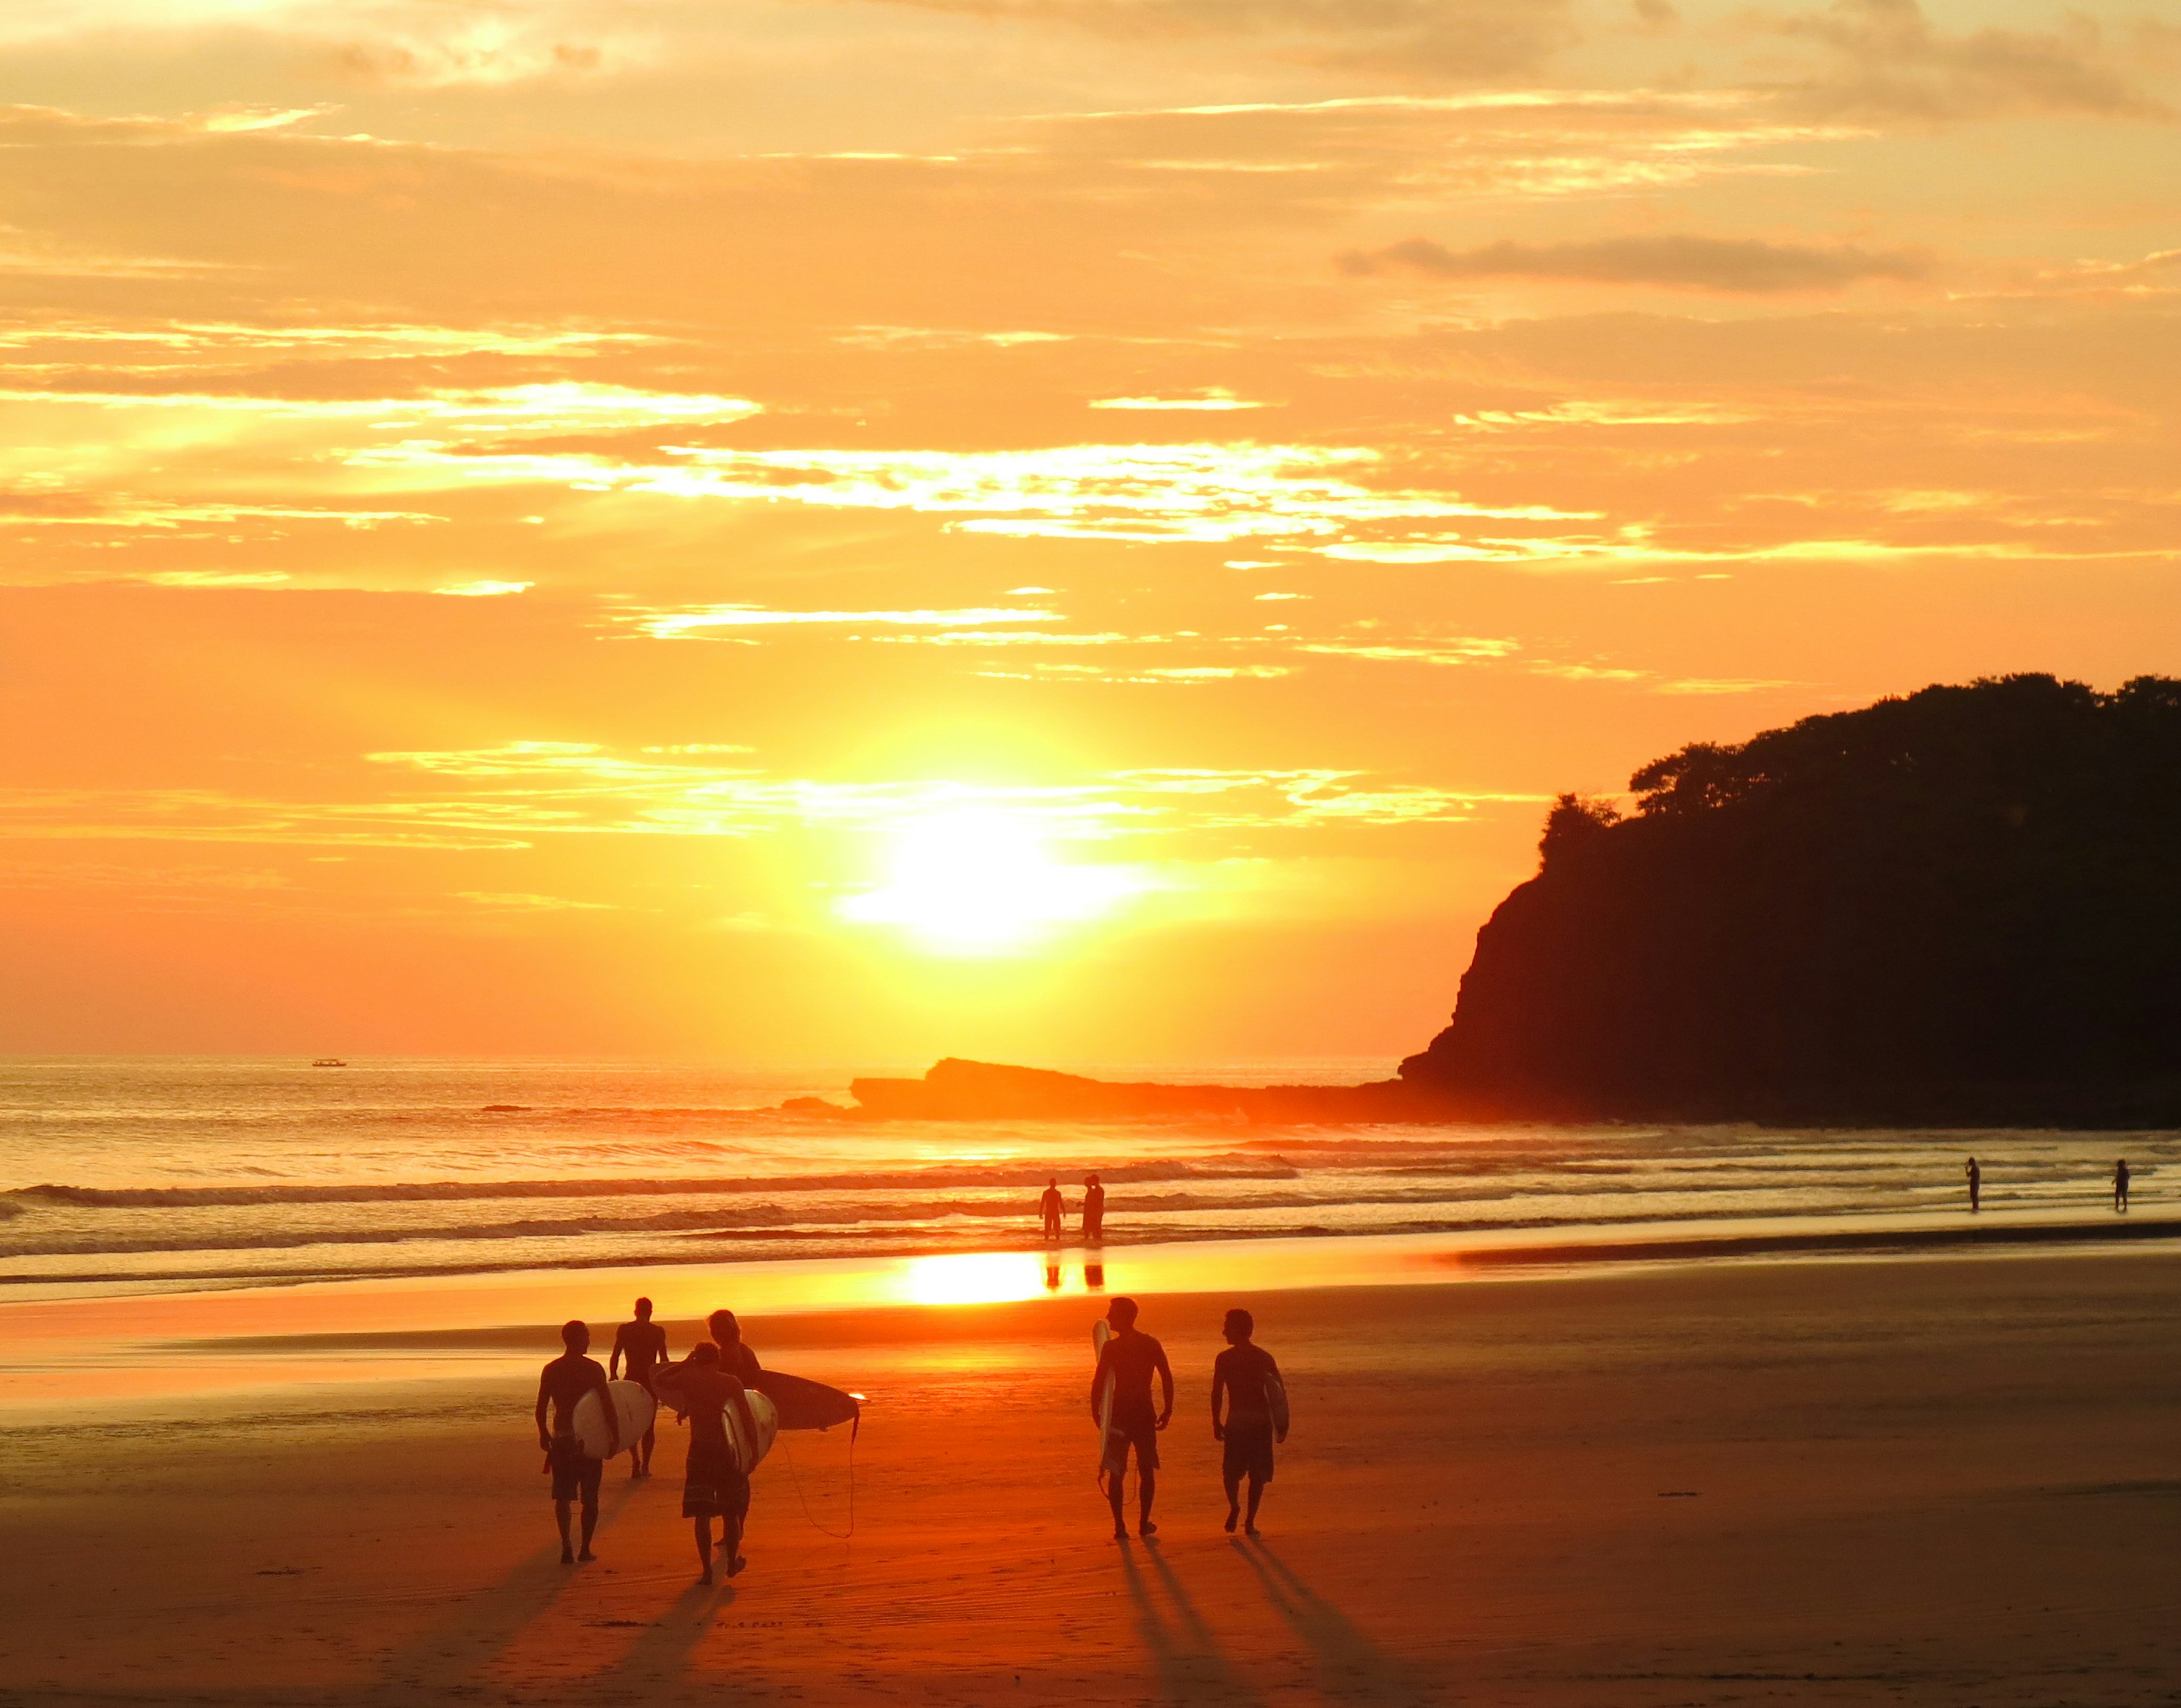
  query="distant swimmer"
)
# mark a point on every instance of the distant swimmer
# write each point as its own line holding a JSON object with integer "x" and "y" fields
{"x": 1248, "y": 1379}
{"x": 1130, "y": 1358}
{"x": 1094, "y": 1209}
{"x": 1051, "y": 1207}
{"x": 575, "y": 1474}
{"x": 2120, "y": 1186}
{"x": 643, "y": 1344}
{"x": 716, "y": 1484}
{"x": 1976, "y": 1184}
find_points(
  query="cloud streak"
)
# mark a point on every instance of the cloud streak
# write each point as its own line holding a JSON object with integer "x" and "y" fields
{"x": 1736, "y": 266}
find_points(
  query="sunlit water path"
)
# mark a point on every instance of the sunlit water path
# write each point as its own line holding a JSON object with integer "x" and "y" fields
{"x": 137, "y": 1176}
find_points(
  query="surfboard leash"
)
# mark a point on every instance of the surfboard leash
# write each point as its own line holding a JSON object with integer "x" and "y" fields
{"x": 796, "y": 1477}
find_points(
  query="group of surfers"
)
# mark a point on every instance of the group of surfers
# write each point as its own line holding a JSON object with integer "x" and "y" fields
{"x": 708, "y": 1388}
{"x": 1053, "y": 1207}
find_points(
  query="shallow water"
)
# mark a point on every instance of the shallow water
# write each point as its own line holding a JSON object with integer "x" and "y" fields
{"x": 128, "y": 1174}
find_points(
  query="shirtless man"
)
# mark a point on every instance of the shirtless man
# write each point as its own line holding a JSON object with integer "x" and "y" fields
{"x": 643, "y": 1344}
{"x": 1050, "y": 1208}
{"x": 717, "y": 1482}
{"x": 735, "y": 1355}
{"x": 1239, "y": 1375}
{"x": 576, "y": 1473}
{"x": 1130, "y": 1357}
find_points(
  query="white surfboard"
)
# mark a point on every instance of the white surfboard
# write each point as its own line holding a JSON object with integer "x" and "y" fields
{"x": 766, "y": 1416}
{"x": 1101, "y": 1332}
{"x": 632, "y": 1404}
{"x": 1276, "y": 1402}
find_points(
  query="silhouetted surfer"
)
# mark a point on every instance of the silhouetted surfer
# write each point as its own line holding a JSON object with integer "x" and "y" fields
{"x": 1094, "y": 1208}
{"x": 576, "y": 1473}
{"x": 716, "y": 1484}
{"x": 2120, "y": 1186}
{"x": 1240, "y": 1374}
{"x": 734, "y": 1354}
{"x": 1050, "y": 1208}
{"x": 643, "y": 1344}
{"x": 1976, "y": 1184}
{"x": 1130, "y": 1358}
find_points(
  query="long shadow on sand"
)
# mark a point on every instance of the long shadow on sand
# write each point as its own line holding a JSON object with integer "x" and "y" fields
{"x": 660, "y": 1653}
{"x": 1349, "y": 1663}
{"x": 480, "y": 1628}
{"x": 1182, "y": 1645}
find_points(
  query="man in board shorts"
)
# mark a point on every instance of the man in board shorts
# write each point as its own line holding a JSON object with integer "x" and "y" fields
{"x": 1130, "y": 1358}
{"x": 576, "y": 1473}
{"x": 1240, "y": 1374}
{"x": 643, "y": 1344}
{"x": 717, "y": 1482}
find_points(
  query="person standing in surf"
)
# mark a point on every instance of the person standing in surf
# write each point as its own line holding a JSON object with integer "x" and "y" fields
{"x": 643, "y": 1344}
{"x": 576, "y": 1473}
{"x": 1051, "y": 1207}
{"x": 1242, "y": 1375}
{"x": 1129, "y": 1360}
{"x": 1094, "y": 1211}
{"x": 1976, "y": 1186}
{"x": 2120, "y": 1186}
{"x": 716, "y": 1484}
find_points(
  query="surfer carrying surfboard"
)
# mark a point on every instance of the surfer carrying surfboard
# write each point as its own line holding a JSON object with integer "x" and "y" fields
{"x": 1126, "y": 1362}
{"x": 1247, "y": 1378}
{"x": 717, "y": 1482}
{"x": 643, "y": 1344}
{"x": 576, "y": 1473}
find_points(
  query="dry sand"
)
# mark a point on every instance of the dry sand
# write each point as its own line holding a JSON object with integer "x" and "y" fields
{"x": 1944, "y": 1480}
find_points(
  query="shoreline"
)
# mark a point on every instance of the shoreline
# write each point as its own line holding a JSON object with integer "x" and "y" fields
{"x": 120, "y": 1347}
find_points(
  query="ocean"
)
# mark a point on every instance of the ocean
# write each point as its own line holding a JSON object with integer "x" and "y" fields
{"x": 173, "y": 1174}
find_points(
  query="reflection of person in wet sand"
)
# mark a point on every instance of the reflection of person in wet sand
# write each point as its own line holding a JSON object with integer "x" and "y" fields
{"x": 1130, "y": 1358}
{"x": 1976, "y": 1184}
{"x": 717, "y": 1482}
{"x": 643, "y": 1344}
{"x": 1050, "y": 1208}
{"x": 1094, "y": 1209}
{"x": 576, "y": 1473}
{"x": 2120, "y": 1186}
{"x": 1239, "y": 1375}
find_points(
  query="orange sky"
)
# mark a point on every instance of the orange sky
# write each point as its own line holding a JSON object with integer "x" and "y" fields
{"x": 1068, "y": 530}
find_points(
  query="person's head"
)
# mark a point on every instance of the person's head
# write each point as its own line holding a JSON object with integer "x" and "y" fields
{"x": 1089, "y": 1180}
{"x": 1052, "y": 1182}
{"x": 576, "y": 1336}
{"x": 725, "y": 1330}
{"x": 1122, "y": 1314}
{"x": 1239, "y": 1326}
{"x": 643, "y": 1310}
{"x": 704, "y": 1352}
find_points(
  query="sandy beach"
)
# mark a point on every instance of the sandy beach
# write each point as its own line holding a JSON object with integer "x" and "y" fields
{"x": 1938, "y": 1479}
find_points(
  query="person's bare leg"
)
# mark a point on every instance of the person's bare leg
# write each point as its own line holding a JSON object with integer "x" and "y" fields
{"x": 560, "y": 1518}
{"x": 704, "y": 1550}
{"x": 1146, "y": 1486}
{"x": 1256, "y": 1494}
{"x": 635, "y": 1464}
{"x": 650, "y": 1440}
{"x": 590, "y": 1526}
{"x": 1235, "y": 1501}
{"x": 731, "y": 1541}
{"x": 1116, "y": 1492}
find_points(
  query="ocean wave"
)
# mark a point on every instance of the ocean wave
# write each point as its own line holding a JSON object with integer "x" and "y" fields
{"x": 1019, "y": 1177}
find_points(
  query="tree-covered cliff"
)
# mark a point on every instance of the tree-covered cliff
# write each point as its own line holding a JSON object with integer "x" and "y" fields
{"x": 1965, "y": 904}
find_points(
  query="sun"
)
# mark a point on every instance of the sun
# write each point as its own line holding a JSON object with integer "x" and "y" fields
{"x": 983, "y": 882}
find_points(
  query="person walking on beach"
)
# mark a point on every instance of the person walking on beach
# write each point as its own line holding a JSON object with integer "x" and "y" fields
{"x": 736, "y": 1357}
{"x": 643, "y": 1344}
{"x": 1094, "y": 1209}
{"x": 1051, "y": 1207}
{"x": 2120, "y": 1187}
{"x": 716, "y": 1484}
{"x": 576, "y": 1473}
{"x": 1129, "y": 1360}
{"x": 1246, "y": 1377}
{"x": 1976, "y": 1184}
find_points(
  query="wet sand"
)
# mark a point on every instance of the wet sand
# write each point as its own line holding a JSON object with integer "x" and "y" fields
{"x": 1951, "y": 1479}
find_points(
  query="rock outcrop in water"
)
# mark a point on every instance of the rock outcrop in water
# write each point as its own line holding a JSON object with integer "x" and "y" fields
{"x": 1961, "y": 906}
{"x": 958, "y": 1090}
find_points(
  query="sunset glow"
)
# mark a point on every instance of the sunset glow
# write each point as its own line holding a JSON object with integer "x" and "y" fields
{"x": 1075, "y": 531}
